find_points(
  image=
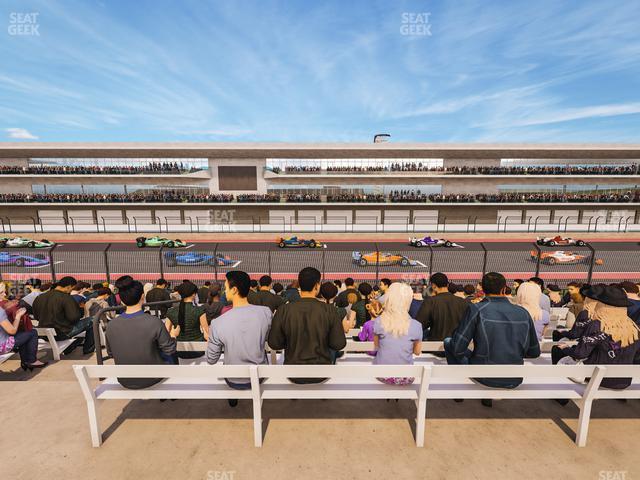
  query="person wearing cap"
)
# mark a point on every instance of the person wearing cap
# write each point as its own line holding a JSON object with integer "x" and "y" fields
{"x": 609, "y": 338}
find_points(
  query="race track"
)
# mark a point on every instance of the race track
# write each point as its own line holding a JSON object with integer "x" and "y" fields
{"x": 92, "y": 261}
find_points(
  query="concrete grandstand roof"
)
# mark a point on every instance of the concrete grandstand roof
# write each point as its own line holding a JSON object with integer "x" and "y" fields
{"x": 320, "y": 150}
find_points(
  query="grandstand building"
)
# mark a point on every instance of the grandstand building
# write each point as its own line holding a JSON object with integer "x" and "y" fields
{"x": 297, "y": 183}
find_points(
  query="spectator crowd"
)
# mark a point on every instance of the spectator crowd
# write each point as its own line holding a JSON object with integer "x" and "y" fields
{"x": 152, "y": 168}
{"x": 488, "y": 323}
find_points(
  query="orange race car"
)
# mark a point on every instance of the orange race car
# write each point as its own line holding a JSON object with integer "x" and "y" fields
{"x": 562, "y": 257}
{"x": 381, "y": 258}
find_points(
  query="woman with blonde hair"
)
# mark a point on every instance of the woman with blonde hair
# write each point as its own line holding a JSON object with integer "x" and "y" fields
{"x": 397, "y": 336}
{"x": 610, "y": 338}
{"x": 528, "y": 297}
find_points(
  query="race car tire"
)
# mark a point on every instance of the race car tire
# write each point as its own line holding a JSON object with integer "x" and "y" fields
{"x": 551, "y": 243}
{"x": 363, "y": 262}
{"x": 551, "y": 261}
{"x": 141, "y": 242}
{"x": 404, "y": 262}
{"x": 448, "y": 244}
{"x": 417, "y": 244}
{"x": 282, "y": 244}
{"x": 312, "y": 244}
{"x": 580, "y": 243}
{"x": 170, "y": 244}
{"x": 20, "y": 262}
{"x": 31, "y": 244}
{"x": 3, "y": 244}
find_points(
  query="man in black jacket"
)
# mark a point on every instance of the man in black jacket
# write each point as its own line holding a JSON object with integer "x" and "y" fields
{"x": 309, "y": 331}
{"x": 159, "y": 293}
{"x": 350, "y": 285}
{"x": 264, "y": 296}
{"x": 57, "y": 309}
{"x": 441, "y": 313}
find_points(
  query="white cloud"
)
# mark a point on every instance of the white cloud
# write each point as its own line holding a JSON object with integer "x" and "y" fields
{"x": 595, "y": 111}
{"x": 20, "y": 134}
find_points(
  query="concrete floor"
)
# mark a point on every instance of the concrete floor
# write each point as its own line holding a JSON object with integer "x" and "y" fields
{"x": 46, "y": 435}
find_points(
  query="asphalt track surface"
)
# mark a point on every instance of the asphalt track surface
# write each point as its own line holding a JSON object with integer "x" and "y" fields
{"x": 88, "y": 261}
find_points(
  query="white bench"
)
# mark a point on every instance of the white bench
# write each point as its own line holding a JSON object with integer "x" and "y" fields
{"x": 356, "y": 382}
{"x": 56, "y": 346}
{"x": 181, "y": 382}
{"x": 5, "y": 356}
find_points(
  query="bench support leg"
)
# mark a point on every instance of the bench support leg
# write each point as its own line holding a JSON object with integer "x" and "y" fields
{"x": 257, "y": 406}
{"x": 94, "y": 426}
{"x": 421, "y": 408}
{"x": 583, "y": 423}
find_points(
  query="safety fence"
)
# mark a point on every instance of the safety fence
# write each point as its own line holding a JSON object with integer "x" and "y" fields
{"x": 366, "y": 261}
{"x": 314, "y": 223}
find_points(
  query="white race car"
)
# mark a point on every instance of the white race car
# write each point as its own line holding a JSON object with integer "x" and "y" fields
{"x": 20, "y": 242}
{"x": 559, "y": 240}
{"x": 429, "y": 241}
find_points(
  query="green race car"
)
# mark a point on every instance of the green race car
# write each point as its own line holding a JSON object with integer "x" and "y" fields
{"x": 20, "y": 242}
{"x": 142, "y": 242}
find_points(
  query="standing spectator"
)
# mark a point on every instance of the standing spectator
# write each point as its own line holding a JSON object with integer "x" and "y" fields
{"x": 385, "y": 283}
{"x": 609, "y": 338}
{"x": 633, "y": 310}
{"x": 191, "y": 319}
{"x": 502, "y": 334}
{"x": 545, "y": 301}
{"x": 57, "y": 309}
{"x": 440, "y": 314}
{"x": 397, "y": 336}
{"x": 528, "y": 297}
{"x": 310, "y": 332}
{"x": 241, "y": 332}
{"x": 264, "y": 296}
{"x": 159, "y": 293}
{"x": 138, "y": 338}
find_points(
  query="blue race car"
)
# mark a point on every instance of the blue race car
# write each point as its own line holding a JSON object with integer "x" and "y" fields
{"x": 295, "y": 242}
{"x": 19, "y": 260}
{"x": 173, "y": 259}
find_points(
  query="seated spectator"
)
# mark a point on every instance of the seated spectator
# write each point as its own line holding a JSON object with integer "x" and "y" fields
{"x": 515, "y": 285}
{"x": 502, "y": 334}
{"x": 310, "y": 332}
{"x": 138, "y": 338}
{"x": 469, "y": 292}
{"x": 633, "y": 310}
{"x": 349, "y": 287}
{"x": 191, "y": 319}
{"x": 609, "y": 338}
{"x": 528, "y": 297}
{"x": 254, "y": 285}
{"x": 441, "y": 313}
{"x": 214, "y": 307}
{"x": 579, "y": 323}
{"x": 575, "y": 302}
{"x": 341, "y": 287}
{"x": 159, "y": 293}
{"x": 241, "y": 332}
{"x": 263, "y": 296}
{"x": 14, "y": 335}
{"x": 97, "y": 303}
{"x": 203, "y": 292}
{"x": 385, "y": 283}
{"x": 545, "y": 301}
{"x": 555, "y": 295}
{"x": 360, "y": 306}
{"x": 278, "y": 288}
{"x": 57, "y": 309}
{"x": 397, "y": 336}
{"x": 328, "y": 293}
{"x": 33, "y": 284}
{"x": 291, "y": 294}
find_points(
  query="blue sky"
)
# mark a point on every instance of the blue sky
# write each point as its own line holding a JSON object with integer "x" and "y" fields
{"x": 488, "y": 71}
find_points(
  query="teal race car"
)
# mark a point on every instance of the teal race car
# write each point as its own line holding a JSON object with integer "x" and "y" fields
{"x": 142, "y": 242}
{"x": 20, "y": 242}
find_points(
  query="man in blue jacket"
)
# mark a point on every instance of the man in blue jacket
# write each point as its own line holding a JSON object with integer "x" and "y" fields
{"x": 502, "y": 334}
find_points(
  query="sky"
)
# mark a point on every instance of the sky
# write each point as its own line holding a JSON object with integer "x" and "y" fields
{"x": 324, "y": 71}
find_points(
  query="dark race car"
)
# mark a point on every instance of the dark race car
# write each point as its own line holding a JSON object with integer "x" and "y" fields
{"x": 19, "y": 260}
{"x": 559, "y": 240}
{"x": 173, "y": 259}
{"x": 295, "y": 242}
